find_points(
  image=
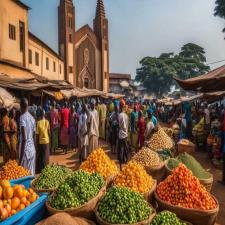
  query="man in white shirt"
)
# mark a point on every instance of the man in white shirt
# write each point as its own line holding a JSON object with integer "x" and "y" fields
{"x": 123, "y": 148}
{"x": 93, "y": 121}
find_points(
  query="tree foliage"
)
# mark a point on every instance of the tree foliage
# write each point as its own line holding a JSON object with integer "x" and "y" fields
{"x": 156, "y": 73}
{"x": 220, "y": 9}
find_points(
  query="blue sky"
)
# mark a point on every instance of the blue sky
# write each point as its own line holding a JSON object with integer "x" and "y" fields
{"x": 139, "y": 28}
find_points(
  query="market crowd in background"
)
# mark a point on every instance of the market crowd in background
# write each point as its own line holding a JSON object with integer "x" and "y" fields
{"x": 32, "y": 133}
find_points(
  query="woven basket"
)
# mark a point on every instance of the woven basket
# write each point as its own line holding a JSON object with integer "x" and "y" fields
{"x": 194, "y": 216}
{"x": 158, "y": 173}
{"x": 145, "y": 222}
{"x": 190, "y": 148}
{"x": 86, "y": 210}
{"x": 32, "y": 185}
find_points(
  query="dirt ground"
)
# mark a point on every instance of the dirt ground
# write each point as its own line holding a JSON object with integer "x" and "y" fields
{"x": 71, "y": 160}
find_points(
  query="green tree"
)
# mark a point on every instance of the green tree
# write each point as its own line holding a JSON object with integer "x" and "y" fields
{"x": 156, "y": 74}
{"x": 220, "y": 9}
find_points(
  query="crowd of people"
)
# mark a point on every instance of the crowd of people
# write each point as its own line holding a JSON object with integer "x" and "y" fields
{"x": 32, "y": 133}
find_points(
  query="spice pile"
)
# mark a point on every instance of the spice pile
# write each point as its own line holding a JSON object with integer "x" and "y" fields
{"x": 135, "y": 177}
{"x": 123, "y": 206}
{"x": 147, "y": 158}
{"x": 11, "y": 170}
{"x": 167, "y": 218}
{"x": 98, "y": 161}
{"x": 160, "y": 140}
{"x": 183, "y": 189}
{"x": 191, "y": 163}
{"x": 51, "y": 176}
{"x": 14, "y": 199}
{"x": 76, "y": 190}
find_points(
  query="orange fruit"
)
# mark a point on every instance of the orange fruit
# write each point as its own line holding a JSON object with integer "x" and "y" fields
{"x": 8, "y": 192}
{"x": 13, "y": 212}
{"x": 23, "y": 200}
{"x": 1, "y": 191}
{"x": 15, "y": 203}
{"x": 18, "y": 192}
{"x": 27, "y": 203}
{"x": 3, "y": 214}
{"x": 30, "y": 190}
{"x": 8, "y": 208}
{"x": 21, "y": 207}
{"x": 32, "y": 197}
{"x": 25, "y": 193}
{"x": 1, "y": 204}
{"x": 5, "y": 183}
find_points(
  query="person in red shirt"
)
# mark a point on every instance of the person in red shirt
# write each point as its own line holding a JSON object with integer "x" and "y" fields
{"x": 64, "y": 135}
{"x": 141, "y": 129}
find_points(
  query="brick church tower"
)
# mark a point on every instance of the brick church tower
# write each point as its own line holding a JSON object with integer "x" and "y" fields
{"x": 101, "y": 30}
{"x": 66, "y": 29}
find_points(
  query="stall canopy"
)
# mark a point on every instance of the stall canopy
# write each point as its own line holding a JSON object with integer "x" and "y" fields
{"x": 7, "y": 100}
{"x": 209, "y": 82}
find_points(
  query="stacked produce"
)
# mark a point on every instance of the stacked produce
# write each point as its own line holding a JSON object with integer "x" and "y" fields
{"x": 135, "y": 177}
{"x": 98, "y": 161}
{"x": 51, "y": 176}
{"x": 183, "y": 189}
{"x": 160, "y": 140}
{"x": 165, "y": 154}
{"x": 11, "y": 170}
{"x": 147, "y": 158}
{"x": 123, "y": 206}
{"x": 191, "y": 163}
{"x": 76, "y": 190}
{"x": 14, "y": 199}
{"x": 166, "y": 218}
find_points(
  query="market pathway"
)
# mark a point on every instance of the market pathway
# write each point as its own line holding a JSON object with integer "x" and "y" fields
{"x": 71, "y": 160}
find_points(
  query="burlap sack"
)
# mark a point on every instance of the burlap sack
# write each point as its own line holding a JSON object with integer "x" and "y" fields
{"x": 86, "y": 210}
{"x": 145, "y": 222}
{"x": 194, "y": 216}
{"x": 158, "y": 172}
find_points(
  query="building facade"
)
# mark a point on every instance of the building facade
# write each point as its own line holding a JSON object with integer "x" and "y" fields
{"x": 83, "y": 57}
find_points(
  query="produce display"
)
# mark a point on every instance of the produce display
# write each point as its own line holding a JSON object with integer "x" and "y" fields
{"x": 135, "y": 177}
{"x": 160, "y": 140}
{"x": 121, "y": 205}
{"x": 98, "y": 161}
{"x": 14, "y": 199}
{"x": 51, "y": 176}
{"x": 147, "y": 158}
{"x": 11, "y": 170}
{"x": 183, "y": 189}
{"x": 76, "y": 190}
{"x": 166, "y": 218}
{"x": 191, "y": 163}
{"x": 63, "y": 219}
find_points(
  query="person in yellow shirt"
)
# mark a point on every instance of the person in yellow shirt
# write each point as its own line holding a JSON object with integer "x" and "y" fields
{"x": 43, "y": 134}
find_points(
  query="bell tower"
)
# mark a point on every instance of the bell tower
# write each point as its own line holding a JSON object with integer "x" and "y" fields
{"x": 66, "y": 35}
{"x": 101, "y": 31}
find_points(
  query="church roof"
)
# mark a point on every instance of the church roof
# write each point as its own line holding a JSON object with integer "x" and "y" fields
{"x": 100, "y": 9}
{"x": 86, "y": 30}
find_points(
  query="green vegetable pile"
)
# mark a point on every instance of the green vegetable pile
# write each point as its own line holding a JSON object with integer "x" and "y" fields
{"x": 76, "y": 190}
{"x": 123, "y": 206}
{"x": 165, "y": 154}
{"x": 191, "y": 163}
{"x": 166, "y": 218}
{"x": 51, "y": 176}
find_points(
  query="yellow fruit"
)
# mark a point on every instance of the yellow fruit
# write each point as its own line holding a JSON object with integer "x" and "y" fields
{"x": 5, "y": 183}
{"x": 1, "y": 191}
{"x": 8, "y": 192}
{"x": 15, "y": 203}
{"x": 18, "y": 192}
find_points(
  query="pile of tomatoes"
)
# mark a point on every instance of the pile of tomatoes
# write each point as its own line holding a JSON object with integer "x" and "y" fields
{"x": 183, "y": 189}
{"x": 13, "y": 199}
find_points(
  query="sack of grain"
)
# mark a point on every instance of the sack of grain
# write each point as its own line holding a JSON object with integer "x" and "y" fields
{"x": 86, "y": 210}
{"x": 194, "y": 216}
{"x": 65, "y": 219}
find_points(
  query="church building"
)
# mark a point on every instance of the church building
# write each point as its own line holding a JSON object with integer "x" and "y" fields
{"x": 85, "y": 51}
{"x": 83, "y": 58}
